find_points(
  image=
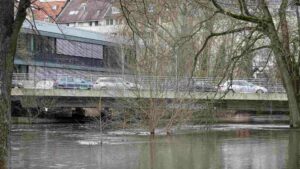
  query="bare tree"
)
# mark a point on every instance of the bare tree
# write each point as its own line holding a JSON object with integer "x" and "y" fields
{"x": 277, "y": 28}
{"x": 40, "y": 105}
{"x": 10, "y": 25}
{"x": 166, "y": 36}
{"x": 255, "y": 26}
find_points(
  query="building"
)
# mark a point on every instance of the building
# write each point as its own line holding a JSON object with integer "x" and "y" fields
{"x": 94, "y": 15}
{"x": 53, "y": 50}
{"x": 47, "y": 10}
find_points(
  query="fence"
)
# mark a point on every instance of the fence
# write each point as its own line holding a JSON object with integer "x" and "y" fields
{"x": 161, "y": 82}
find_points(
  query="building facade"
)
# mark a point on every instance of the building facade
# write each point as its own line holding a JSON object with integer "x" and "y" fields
{"x": 93, "y": 15}
{"x": 52, "y": 51}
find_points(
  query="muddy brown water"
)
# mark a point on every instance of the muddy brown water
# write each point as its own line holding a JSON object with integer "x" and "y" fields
{"x": 230, "y": 146}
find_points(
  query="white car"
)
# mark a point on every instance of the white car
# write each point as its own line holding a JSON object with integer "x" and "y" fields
{"x": 104, "y": 83}
{"x": 241, "y": 86}
{"x": 45, "y": 84}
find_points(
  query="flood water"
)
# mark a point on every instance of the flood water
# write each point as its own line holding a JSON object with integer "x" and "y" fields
{"x": 75, "y": 146}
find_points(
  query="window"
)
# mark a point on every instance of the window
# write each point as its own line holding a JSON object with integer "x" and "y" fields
{"x": 234, "y": 83}
{"x": 73, "y": 12}
{"x": 47, "y": 19}
{"x": 242, "y": 83}
{"x": 91, "y": 23}
{"x": 21, "y": 69}
{"x": 81, "y": 24}
{"x": 70, "y": 79}
{"x": 74, "y": 48}
{"x": 115, "y": 10}
{"x": 96, "y": 23}
{"x": 109, "y": 21}
{"x": 53, "y": 7}
{"x": 42, "y": 44}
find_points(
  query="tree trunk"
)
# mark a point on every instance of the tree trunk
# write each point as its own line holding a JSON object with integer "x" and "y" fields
{"x": 286, "y": 76}
{"x": 10, "y": 28}
{"x": 6, "y": 24}
{"x": 151, "y": 128}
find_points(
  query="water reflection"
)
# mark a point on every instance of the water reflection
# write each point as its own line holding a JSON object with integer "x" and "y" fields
{"x": 294, "y": 150}
{"x": 68, "y": 146}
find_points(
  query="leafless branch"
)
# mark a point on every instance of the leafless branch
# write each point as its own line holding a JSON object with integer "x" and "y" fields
{"x": 252, "y": 19}
{"x": 215, "y": 35}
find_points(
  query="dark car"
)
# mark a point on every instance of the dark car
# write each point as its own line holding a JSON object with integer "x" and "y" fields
{"x": 196, "y": 86}
{"x": 72, "y": 83}
{"x": 203, "y": 86}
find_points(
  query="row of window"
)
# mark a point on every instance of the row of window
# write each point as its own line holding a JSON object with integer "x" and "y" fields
{"x": 31, "y": 44}
{"x": 96, "y": 23}
{"x": 60, "y": 51}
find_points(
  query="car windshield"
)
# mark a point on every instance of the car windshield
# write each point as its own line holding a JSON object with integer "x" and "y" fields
{"x": 201, "y": 83}
{"x": 106, "y": 80}
{"x": 244, "y": 83}
{"x": 111, "y": 80}
{"x": 79, "y": 80}
{"x": 62, "y": 79}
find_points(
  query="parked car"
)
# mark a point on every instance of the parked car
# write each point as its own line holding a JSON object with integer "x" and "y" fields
{"x": 72, "y": 83}
{"x": 241, "y": 86}
{"x": 104, "y": 83}
{"x": 195, "y": 85}
{"x": 45, "y": 84}
{"x": 203, "y": 86}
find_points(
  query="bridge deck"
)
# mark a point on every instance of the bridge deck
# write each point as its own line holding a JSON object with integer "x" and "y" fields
{"x": 147, "y": 94}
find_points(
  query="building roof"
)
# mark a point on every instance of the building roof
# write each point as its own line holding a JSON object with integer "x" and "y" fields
{"x": 71, "y": 33}
{"x": 83, "y": 11}
{"x": 47, "y": 10}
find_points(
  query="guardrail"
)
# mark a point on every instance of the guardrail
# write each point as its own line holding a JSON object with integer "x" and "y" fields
{"x": 162, "y": 82}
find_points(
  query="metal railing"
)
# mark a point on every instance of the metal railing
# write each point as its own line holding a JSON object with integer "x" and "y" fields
{"x": 162, "y": 82}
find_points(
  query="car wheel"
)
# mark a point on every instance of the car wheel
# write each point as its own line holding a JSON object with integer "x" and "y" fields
{"x": 259, "y": 91}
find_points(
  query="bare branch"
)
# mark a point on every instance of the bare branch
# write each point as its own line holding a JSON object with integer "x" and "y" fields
{"x": 188, "y": 37}
{"x": 252, "y": 19}
{"x": 244, "y": 7}
{"x": 215, "y": 35}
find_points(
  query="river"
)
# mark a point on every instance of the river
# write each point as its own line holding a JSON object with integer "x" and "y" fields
{"x": 83, "y": 146}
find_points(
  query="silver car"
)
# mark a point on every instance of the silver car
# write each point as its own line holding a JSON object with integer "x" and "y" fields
{"x": 104, "y": 83}
{"x": 241, "y": 86}
{"x": 45, "y": 84}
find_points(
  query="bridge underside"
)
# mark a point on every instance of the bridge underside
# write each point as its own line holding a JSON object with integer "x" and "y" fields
{"x": 130, "y": 99}
{"x": 119, "y": 103}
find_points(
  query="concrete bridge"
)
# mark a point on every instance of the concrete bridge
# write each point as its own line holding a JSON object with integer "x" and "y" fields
{"x": 91, "y": 98}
